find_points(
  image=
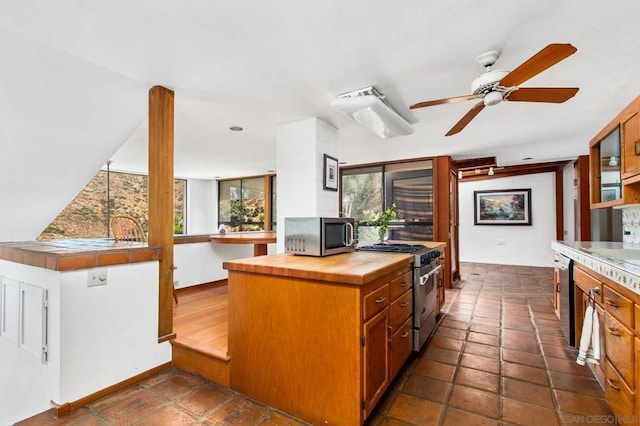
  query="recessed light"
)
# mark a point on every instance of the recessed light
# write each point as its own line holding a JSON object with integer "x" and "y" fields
{"x": 342, "y": 162}
{"x": 527, "y": 158}
{"x": 236, "y": 128}
{"x": 216, "y": 177}
{"x": 271, "y": 171}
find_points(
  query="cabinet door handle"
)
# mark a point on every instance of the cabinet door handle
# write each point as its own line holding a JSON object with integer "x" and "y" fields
{"x": 613, "y": 331}
{"x": 389, "y": 333}
{"x": 404, "y": 304}
{"x": 612, "y": 384}
{"x": 404, "y": 284}
{"x": 381, "y": 299}
{"x": 405, "y": 334}
{"x": 636, "y": 147}
{"x": 611, "y": 302}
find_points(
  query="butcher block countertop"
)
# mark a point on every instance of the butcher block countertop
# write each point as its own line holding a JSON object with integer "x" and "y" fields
{"x": 356, "y": 268}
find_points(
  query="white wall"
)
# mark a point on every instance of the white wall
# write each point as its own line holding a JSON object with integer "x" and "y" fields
{"x": 199, "y": 263}
{"x": 202, "y": 206}
{"x": 510, "y": 245}
{"x": 97, "y": 337}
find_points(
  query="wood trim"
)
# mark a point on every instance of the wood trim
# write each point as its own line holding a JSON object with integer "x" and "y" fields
{"x": 161, "y": 158}
{"x": 200, "y": 287}
{"x": 268, "y": 195}
{"x": 441, "y": 214}
{"x": 559, "y": 193}
{"x": 584, "y": 202}
{"x": 516, "y": 170}
{"x": 61, "y": 410}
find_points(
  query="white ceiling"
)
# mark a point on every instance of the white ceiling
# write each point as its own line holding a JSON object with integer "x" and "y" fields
{"x": 75, "y": 75}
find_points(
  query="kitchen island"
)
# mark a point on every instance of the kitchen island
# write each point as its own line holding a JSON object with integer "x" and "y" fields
{"x": 319, "y": 337}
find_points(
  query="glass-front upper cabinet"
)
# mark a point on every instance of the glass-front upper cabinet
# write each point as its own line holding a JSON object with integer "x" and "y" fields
{"x": 606, "y": 182}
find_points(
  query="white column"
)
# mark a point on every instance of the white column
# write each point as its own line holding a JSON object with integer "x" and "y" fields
{"x": 300, "y": 149}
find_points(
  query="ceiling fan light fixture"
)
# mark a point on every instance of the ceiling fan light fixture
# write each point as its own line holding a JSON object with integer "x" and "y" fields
{"x": 368, "y": 108}
{"x": 490, "y": 172}
{"x": 613, "y": 161}
{"x": 492, "y": 98}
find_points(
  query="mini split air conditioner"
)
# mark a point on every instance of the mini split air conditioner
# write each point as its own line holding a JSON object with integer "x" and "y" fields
{"x": 369, "y": 108}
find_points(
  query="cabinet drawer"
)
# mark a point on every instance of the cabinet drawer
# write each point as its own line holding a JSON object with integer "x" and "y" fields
{"x": 401, "y": 347}
{"x": 376, "y": 301}
{"x": 586, "y": 282}
{"x": 618, "y": 306}
{"x": 620, "y": 398}
{"x": 401, "y": 310}
{"x": 618, "y": 341}
{"x": 399, "y": 285}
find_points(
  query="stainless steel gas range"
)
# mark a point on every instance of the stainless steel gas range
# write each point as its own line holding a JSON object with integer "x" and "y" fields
{"x": 425, "y": 270}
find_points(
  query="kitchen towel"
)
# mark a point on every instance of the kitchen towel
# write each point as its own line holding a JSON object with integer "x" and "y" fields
{"x": 590, "y": 339}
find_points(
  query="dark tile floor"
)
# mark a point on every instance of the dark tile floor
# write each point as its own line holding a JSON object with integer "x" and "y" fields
{"x": 497, "y": 358}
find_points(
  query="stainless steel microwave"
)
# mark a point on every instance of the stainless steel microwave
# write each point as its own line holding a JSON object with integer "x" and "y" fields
{"x": 318, "y": 236}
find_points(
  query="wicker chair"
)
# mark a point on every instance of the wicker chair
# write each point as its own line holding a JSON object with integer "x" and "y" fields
{"x": 126, "y": 228}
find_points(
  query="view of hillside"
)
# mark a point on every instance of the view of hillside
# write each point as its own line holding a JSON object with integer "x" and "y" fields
{"x": 86, "y": 215}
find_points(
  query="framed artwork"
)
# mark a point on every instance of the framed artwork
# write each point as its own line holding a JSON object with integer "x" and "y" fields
{"x": 502, "y": 207}
{"x": 330, "y": 173}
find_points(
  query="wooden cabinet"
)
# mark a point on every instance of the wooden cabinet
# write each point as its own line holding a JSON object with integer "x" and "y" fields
{"x": 618, "y": 313}
{"x": 376, "y": 359}
{"x": 614, "y": 156}
{"x": 323, "y": 351}
{"x": 631, "y": 145}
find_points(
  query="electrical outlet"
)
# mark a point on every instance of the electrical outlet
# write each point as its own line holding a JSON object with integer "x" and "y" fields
{"x": 176, "y": 284}
{"x": 97, "y": 277}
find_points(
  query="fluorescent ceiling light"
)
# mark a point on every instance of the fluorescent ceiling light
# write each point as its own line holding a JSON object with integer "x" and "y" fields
{"x": 368, "y": 108}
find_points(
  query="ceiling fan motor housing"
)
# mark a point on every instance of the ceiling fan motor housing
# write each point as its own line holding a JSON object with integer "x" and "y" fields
{"x": 487, "y": 81}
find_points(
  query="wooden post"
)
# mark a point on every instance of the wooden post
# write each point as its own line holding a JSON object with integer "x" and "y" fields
{"x": 161, "y": 199}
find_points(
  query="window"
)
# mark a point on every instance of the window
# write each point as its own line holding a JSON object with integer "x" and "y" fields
{"x": 127, "y": 193}
{"x": 241, "y": 203}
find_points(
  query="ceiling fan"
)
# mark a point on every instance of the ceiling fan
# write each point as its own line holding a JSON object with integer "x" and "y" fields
{"x": 495, "y": 86}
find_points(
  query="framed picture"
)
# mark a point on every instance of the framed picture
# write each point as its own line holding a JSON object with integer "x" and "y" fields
{"x": 502, "y": 207}
{"x": 330, "y": 173}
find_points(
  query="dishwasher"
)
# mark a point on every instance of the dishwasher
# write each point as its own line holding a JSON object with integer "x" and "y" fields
{"x": 566, "y": 289}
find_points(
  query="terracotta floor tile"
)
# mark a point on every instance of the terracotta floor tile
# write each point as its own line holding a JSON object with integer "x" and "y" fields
{"x": 135, "y": 407}
{"x": 524, "y": 413}
{"x": 477, "y": 379}
{"x": 390, "y": 422}
{"x": 485, "y": 329}
{"x": 441, "y": 355}
{"x": 520, "y": 357}
{"x": 237, "y": 411}
{"x": 455, "y": 324}
{"x": 477, "y": 362}
{"x": 475, "y": 400}
{"x": 582, "y": 404}
{"x": 455, "y": 417}
{"x": 486, "y": 321}
{"x": 205, "y": 398}
{"x": 168, "y": 415}
{"x": 570, "y": 382}
{"x": 520, "y": 345}
{"x": 434, "y": 369}
{"x": 525, "y": 373}
{"x": 483, "y": 350}
{"x": 485, "y": 339}
{"x": 459, "y": 317}
{"x": 528, "y": 392}
{"x": 414, "y": 410}
{"x": 527, "y": 336}
{"x": 176, "y": 385}
{"x": 493, "y": 313}
{"x": 553, "y": 340}
{"x": 275, "y": 418}
{"x": 453, "y": 333}
{"x": 446, "y": 343}
{"x": 427, "y": 388}
{"x": 559, "y": 352}
{"x": 114, "y": 398}
{"x": 568, "y": 366}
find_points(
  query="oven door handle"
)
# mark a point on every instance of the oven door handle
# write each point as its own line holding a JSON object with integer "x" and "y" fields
{"x": 425, "y": 278}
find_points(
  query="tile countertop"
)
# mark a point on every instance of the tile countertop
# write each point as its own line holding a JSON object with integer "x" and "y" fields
{"x": 617, "y": 261}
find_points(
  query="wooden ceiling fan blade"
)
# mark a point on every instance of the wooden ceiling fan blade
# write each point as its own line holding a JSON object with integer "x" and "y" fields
{"x": 555, "y": 95}
{"x": 466, "y": 118}
{"x": 442, "y": 101}
{"x": 546, "y": 58}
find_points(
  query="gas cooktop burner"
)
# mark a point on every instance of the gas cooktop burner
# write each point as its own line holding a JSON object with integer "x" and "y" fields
{"x": 397, "y": 247}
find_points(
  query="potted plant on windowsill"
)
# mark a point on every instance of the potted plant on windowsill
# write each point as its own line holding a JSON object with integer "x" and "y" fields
{"x": 382, "y": 219}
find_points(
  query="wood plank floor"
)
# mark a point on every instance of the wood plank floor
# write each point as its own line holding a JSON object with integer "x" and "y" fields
{"x": 201, "y": 319}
